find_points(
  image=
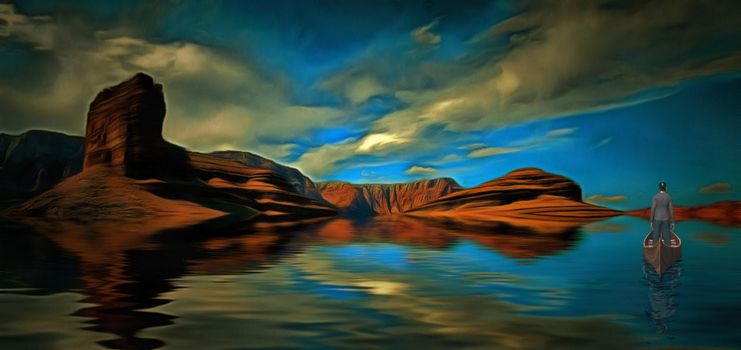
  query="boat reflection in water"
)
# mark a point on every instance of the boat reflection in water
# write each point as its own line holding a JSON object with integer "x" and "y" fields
{"x": 662, "y": 294}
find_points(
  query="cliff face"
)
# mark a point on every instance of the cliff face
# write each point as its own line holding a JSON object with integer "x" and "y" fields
{"x": 384, "y": 199}
{"x": 124, "y": 132}
{"x": 346, "y": 197}
{"x": 518, "y": 185}
{"x": 299, "y": 181}
{"x": 36, "y": 160}
{"x": 261, "y": 189}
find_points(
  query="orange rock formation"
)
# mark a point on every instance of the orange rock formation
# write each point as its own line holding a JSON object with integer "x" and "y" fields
{"x": 526, "y": 197}
{"x": 124, "y": 132}
{"x": 131, "y": 174}
{"x": 383, "y": 199}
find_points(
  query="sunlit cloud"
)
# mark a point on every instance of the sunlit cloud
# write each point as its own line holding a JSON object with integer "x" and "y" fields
{"x": 421, "y": 170}
{"x": 38, "y": 31}
{"x": 355, "y": 87}
{"x": 561, "y": 132}
{"x": 424, "y": 34}
{"x": 378, "y": 141}
{"x": 449, "y": 158}
{"x": 599, "y": 198}
{"x": 320, "y": 161}
{"x": 479, "y": 150}
{"x": 492, "y": 151}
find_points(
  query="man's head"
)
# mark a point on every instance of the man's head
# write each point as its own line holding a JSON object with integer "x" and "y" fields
{"x": 662, "y": 186}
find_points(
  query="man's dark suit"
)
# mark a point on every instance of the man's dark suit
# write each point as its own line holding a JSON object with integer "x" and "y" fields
{"x": 662, "y": 216}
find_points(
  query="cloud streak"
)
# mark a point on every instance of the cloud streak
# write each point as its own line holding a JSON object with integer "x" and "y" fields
{"x": 599, "y": 198}
{"x": 480, "y": 150}
{"x": 719, "y": 187}
{"x": 424, "y": 34}
{"x": 39, "y": 31}
{"x": 421, "y": 170}
{"x": 493, "y": 151}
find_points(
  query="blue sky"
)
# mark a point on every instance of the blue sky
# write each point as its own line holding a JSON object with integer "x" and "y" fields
{"x": 615, "y": 95}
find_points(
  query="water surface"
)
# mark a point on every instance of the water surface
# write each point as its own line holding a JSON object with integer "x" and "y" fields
{"x": 393, "y": 283}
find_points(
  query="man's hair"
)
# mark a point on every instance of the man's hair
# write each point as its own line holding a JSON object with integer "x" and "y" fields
{"x": 662, "y": 186}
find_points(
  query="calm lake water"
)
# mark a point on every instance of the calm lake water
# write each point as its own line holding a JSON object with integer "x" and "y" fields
{"x": 379, "y": 284}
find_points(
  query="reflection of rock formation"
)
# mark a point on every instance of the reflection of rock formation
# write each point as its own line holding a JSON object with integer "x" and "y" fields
{"x": 662, "y": 290}
{"x": 713, "y": 238}
{"x": 724, "y": 213}
{"x": 22, "y": 250}
{"x": 511, "y": 241}
{"x": 123, "y": 271}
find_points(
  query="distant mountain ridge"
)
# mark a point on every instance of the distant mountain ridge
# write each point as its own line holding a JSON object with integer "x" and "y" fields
{"x": 36, "y": 160}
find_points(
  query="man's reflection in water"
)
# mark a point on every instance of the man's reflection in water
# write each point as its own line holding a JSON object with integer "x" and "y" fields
{"x": 662, "y": 291}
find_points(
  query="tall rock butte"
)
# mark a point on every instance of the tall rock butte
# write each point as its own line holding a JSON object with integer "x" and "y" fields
{"x": 124, "y": 132}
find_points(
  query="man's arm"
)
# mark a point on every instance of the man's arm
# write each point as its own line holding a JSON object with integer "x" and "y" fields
{"x": 653, "y": 208}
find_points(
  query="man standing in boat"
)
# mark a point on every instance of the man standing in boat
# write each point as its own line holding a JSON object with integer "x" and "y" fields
{"x": 662, "y": 216}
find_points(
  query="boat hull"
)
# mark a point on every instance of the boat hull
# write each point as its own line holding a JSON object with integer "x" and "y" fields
{"x": 661, "y": 256}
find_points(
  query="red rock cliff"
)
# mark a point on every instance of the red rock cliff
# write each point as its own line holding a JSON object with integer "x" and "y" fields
{"x": 527, "y": 197}
{"x": 124, "y": 132}
{"x": 518, "y": 185}
{"x": 383, "y": 199}
{"x": 299, "y": 181}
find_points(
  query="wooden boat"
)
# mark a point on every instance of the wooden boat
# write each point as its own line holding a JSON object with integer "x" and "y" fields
{"x": 661, "y": 256}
